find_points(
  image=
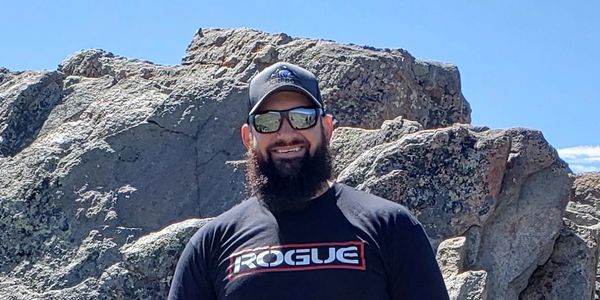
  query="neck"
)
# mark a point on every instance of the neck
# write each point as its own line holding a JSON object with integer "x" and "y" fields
{"x": 324, "y": 187}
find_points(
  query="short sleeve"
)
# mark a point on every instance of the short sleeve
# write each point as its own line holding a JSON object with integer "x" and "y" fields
{"x": 414, "y": 272}
{"x": 191, "y": 279}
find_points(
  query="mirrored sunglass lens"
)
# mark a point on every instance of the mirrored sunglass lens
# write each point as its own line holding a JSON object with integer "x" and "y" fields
{"x": 302, "y": 118}
{"x": 267, "y": 122}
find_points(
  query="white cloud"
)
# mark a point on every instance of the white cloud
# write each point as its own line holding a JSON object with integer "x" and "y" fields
{"x": 583, "y": 169}
{"x": 581, "y": 158}
{"x": 593, "y": 151}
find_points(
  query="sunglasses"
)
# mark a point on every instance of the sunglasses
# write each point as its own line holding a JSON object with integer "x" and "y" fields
{"x": 299, "y": 118}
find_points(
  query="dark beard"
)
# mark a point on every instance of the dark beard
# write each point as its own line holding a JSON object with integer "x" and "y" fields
{"x": 288, "y": 185}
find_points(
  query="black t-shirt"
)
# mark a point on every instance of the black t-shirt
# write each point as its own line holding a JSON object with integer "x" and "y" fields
{"x": 346, "y": 244}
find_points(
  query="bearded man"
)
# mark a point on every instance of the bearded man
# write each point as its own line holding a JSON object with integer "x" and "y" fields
{"x": 302, "y": 235}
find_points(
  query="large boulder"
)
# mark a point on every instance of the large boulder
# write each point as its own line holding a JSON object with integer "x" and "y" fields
{"x": 361, "y": 86}
{"x": 104, "y": 151}
{"x": 505, "y": 191}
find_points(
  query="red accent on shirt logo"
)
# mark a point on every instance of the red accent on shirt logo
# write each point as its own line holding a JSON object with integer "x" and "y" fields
{"x": 297, "y": 257}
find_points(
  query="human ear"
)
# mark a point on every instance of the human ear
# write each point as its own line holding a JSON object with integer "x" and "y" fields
{"x": 246, "y": 134}
{"x": 328, "y": 126}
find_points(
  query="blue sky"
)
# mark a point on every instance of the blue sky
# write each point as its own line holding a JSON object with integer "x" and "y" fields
{"x": 523, "y": 63}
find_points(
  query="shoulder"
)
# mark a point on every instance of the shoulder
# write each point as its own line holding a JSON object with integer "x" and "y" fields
{"x": 373, "y": 207}
{"x": 228, "y": 222}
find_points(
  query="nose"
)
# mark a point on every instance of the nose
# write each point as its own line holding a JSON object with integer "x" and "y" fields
{"x": 286, "y": 128}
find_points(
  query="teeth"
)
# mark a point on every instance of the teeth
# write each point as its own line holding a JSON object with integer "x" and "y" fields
{"x": 288, "y": 150}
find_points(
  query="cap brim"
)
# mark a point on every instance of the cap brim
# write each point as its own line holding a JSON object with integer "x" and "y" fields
{"x": 281, "y": 88}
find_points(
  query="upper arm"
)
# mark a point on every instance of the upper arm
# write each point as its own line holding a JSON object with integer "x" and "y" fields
{"x": 414, "y": 272}
{"x": 191, "y": 279}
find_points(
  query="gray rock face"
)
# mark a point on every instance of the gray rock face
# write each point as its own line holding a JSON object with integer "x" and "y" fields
{"x": 98, "y": 155}
{"x": 361, "y": 86}
{"x": 504, "y": 190}
{"x": 570, "y": 273}
{"x": 26, "y": 98}
{"x": 449, "y": 178}
{"x": 451, "y": 256}
{"x": 461, "y": 284}
{"x": 348, "y": 143}
{"x": 145, "y": 271}
{"x": 470, "y": 285}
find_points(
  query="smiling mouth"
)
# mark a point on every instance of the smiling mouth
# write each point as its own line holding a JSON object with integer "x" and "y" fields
{"x": 295, "y": 149}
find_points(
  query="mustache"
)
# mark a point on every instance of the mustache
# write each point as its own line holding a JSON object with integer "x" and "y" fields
{"x": 283, "y": 143}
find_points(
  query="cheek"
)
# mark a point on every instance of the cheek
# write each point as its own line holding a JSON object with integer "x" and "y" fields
{"x": 315, "y": 139}
{"x": 259, "y": 144}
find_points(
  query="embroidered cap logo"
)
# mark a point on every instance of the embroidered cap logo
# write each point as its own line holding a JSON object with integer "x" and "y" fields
{"x": 283, "y": 75}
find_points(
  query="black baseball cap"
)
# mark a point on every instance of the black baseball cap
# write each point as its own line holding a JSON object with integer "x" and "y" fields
{"x": 279, "y": 77}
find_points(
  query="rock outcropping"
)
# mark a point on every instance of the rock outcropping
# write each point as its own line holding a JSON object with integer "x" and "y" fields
{"x": 504, "y": 191}
{"x": 108, "y": 165}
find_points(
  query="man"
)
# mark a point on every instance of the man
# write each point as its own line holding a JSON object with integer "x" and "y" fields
{"x": 302, "y": 236}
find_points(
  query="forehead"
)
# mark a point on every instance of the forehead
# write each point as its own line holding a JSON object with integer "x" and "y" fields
{"x": 285, "y": 100}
